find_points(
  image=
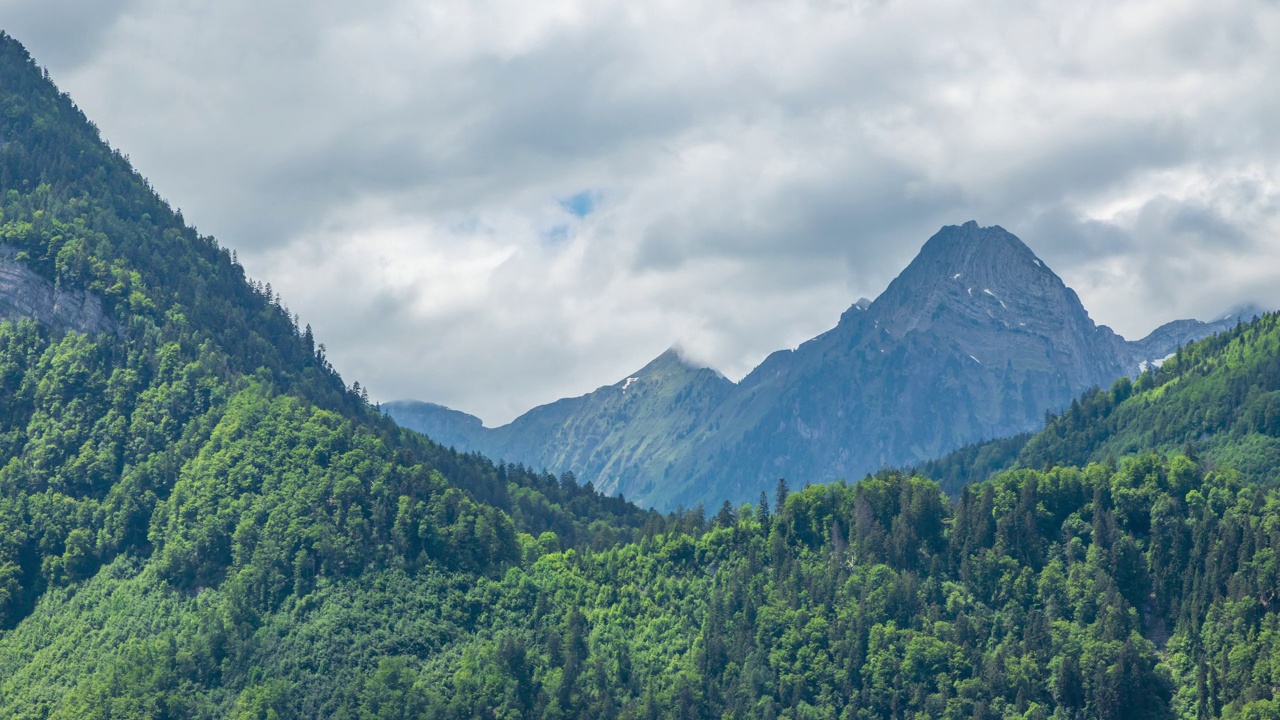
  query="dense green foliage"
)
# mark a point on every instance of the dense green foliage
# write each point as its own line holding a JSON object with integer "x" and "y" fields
{"x": 198, "y": 518}
{"x": 1147, "y": 590}
{"x": 1141, "y": 591}
{"x": 209, "y": 444}
{"x": 145, "y": 483}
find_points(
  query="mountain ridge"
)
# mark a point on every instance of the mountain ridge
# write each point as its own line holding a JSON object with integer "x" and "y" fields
{"x": 975, "y": 316}
{"x": 1218, "y": 398}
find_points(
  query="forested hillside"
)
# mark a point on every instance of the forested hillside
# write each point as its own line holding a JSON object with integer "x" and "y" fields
{"x": 205, "y": 461}
{"x": 199, "y": 519}
{"x": 1142, "y": 591}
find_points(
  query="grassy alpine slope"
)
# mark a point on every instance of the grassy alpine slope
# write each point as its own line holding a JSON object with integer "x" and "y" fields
{"x": 199, "y": 519}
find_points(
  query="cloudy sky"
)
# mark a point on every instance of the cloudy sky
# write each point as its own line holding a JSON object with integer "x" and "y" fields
{"x": 495, "y": 203}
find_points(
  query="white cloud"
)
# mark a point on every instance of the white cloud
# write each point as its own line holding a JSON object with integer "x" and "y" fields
{"x": 398, "y": 169}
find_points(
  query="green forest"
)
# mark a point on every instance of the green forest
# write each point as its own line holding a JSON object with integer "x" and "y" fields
{"x": 200, "y": 519}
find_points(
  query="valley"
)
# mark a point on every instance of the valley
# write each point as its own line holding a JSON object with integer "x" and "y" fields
{"x": 200, "y": 518}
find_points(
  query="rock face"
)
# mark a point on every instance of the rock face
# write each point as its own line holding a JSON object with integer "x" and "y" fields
{"x": 25, "y": 294}
{"x": 976, "y": 339}
{"x": 1165, "y": 340}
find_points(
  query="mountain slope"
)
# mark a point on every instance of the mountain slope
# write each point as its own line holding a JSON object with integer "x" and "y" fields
{"x": 1219, "y": 397}
{"x": 609, "y": 436}
{"x": 178, "y": 463}
{"x": 975, "y": 339}
{"x": 449, "y": 427}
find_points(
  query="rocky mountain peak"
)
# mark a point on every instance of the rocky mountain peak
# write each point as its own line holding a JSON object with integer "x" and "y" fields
{"x": 982, "y": 274}
{"x": 673, "y": 363}
{"x": 969, "y": 259}
{"x": 971, "y": 246}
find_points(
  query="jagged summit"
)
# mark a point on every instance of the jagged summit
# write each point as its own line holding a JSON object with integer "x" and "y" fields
{"x": 673, "y": 362}
{"x": 977, "y": 270}
{"x": 971, "y": 255}
{"x": 673, "y": 358}
{"x": 983, "y": 257}
{"x": 962, "y": 243}
{"x": 983, "y": 270}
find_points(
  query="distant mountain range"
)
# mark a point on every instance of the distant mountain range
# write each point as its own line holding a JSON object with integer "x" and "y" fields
{"x": 976, "y": 339}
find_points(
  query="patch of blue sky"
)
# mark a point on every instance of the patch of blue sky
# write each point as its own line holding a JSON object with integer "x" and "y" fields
{"x": 580, "y": 204}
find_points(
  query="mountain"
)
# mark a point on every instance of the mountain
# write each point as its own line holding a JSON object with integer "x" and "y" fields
{"x": 603, "y": 435}
{"x": 975, "y": 339}
{"x": 1166, "y": 340}
{"x": 199, "y": 519}
{"x": 180, "y": 466}
{"x": 596, "y": 434}
{"x": 449, "y": 427}
{"x": 1218, "y": 398}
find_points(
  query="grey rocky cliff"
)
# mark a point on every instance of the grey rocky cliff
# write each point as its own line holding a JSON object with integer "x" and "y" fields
{"x": 26, "y": 294}
{"x": 1164, "y": 341}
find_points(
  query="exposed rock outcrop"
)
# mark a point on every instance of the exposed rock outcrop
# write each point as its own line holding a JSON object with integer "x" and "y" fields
{"x": 26, "y": 294}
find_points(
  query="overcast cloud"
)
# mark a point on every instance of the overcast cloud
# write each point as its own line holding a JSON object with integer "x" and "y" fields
{"x": 492, "y": 204}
